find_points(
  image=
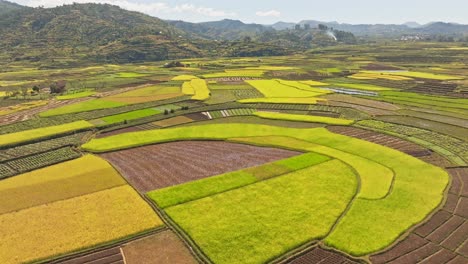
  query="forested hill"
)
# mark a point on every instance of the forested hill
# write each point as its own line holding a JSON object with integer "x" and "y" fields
{"x": 7, "y": 7}
{"x": 107, "y": 33}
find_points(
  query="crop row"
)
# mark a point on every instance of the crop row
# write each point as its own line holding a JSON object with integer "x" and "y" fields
{"x": 40, "y": 160}
{"x": 57, "y": 120}
{"x": 445, "y": 145}
{"x": 43, "y": 146}
{"x": 231, "y": 112}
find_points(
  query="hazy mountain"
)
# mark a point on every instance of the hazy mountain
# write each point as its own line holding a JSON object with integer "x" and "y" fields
{"x": 7, "y": 7}
{"x": 226, "y": 29}
{"x": 412, "y": 24}
{"x": 283, "y": 25}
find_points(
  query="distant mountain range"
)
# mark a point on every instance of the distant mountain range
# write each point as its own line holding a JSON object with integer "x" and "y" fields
{"x": 103, "y": 32}
{"x": 384, "y": 30}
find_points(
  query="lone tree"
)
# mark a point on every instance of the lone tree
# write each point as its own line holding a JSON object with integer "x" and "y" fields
{"x": 58, "y": 87}
{"x": 36, "y": 88}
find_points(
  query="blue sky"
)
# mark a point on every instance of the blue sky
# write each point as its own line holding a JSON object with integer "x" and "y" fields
{"x": 266, "y": 12}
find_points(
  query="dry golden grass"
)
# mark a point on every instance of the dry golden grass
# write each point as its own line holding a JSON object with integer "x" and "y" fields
{"x": 66, "y": 180}
{"x": 178, "y": 120}
{"x": 65, "y": 226}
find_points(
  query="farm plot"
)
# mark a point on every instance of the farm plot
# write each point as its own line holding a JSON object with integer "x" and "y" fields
{"x": 131, "y": 96}
{"x": 43, "y": 146}
{"x": 163, "y": 247}
{"x": 279, "y": 202}
{"x": 173, "y": 121}
{"x": 235, "y": 73}
{"x": 362, "y": 102}
{"x": 184, "y": 78}
{"x": 198, "y": 88}
{"x": 362, "y": 86}
{"x": 146, "y": 94}
{"x": 76, "y": 95}
{"x": 40, "y": 160}
{"x": 69, "y": 179}
{"x": 277, "y": 89}
{"x": 36, "y": 222}
{"x": 158, "y": 166}
{"x": 446, "y": 129}
{"x": 44, "y": 237}
{"x": 385, "y": 140}
{"x": 436, "y": 116}
{"x": 422, "y": 75}
{"x": 416, "y": 187}
{"x": 95, "y": 104}
{"x": 202, "y": 188}
{"x": 27, "y": 114}
{"x": 442, "y": 238}
{"x": 320, "y": 255}
{"x": 129, "y": 116}
{"x": 453, "y": 149}
{"x": 42, "y": 133}
{"x": 304, "y": 118}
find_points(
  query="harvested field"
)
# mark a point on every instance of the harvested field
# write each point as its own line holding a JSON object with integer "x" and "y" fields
{"x": 322, "y": 256}
{"x": 157, "y": 166}
{"x": 366, "y": 109}
{"x": 105, "y": 256}
{"x": 163, "y": 247}
{"x": 361, "y": 101}
{"x": 443, "y": 237}
{"x": 385, "y": 140}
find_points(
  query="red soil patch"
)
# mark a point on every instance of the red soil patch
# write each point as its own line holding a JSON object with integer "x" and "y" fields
{"x": 163, "y": 247}
{"x": 157, "y": 166}
{"x": 443, "y": 238}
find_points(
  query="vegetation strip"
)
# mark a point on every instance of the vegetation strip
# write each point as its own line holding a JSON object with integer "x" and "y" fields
{"x": 419, "y": 200}
{"x": 42, "y": 133}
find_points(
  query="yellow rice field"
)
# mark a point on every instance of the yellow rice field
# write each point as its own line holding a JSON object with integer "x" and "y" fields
{"x": 64, "y": 226}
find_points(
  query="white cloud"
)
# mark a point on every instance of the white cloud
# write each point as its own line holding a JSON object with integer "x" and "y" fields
{"x": 156, "y": 9}
{"x": 269, "y": 13}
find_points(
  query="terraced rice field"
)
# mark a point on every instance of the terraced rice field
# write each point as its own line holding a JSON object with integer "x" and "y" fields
{"x": 373, "y": 192}
{"x": 34, "y": 213}
{"x": 342, "y": 154}
{"x": 41, "y": 133}
{"x": 442, "y": 239}
{"x": 158, "y": 166}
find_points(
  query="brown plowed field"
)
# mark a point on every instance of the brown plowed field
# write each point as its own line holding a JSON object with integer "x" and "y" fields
{"x": 322, "y": 256}
{"x": 382, "y": 139}
{"x": 163, "y": 247}
{"x": 106, "y": 256}
{"x": 441, "y": 239}
{"x": 157, "y": 166}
